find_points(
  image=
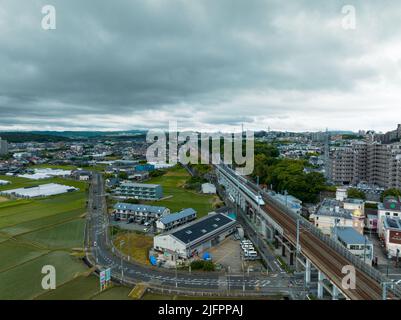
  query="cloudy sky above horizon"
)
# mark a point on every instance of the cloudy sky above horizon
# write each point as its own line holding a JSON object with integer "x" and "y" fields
{"x": 209, "y": 65}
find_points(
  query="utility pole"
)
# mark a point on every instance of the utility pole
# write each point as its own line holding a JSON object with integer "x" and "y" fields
{"x": 122, "y": 242}
{"x": 297, "y": 248}
{"x": 176, "y": 273}
{"x": 364, "y": 251}
{"x": 228, "y": 277}
{"x": 243, "y": 276}
{"x": 385, "y": 285}
{"x": 286, "y": 194}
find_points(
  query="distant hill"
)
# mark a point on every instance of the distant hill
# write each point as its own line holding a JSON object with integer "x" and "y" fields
{"x": 57, "y": 136}
{"x": 91, "y": 134}
{"x": 18, "y": 137}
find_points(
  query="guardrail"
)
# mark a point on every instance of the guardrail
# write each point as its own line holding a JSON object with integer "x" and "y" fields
{"x": 356, "y": 261}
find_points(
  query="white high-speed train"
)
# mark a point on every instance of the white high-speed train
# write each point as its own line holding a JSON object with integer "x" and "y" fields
{"x": 256, "y": 197}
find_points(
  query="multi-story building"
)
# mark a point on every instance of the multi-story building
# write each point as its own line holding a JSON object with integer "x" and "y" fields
{"x": 139, "y": 212}
{"x": 391, "y": 207}
{"x": 372, "y": 163}
{"x": 331, "y": 213}
{"x": 3, "y": 147}
{"x": 140, "y": 191}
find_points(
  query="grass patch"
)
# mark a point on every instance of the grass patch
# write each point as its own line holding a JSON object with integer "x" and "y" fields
{"x": 114, "y": 293}
{"x": 136, "y": 245}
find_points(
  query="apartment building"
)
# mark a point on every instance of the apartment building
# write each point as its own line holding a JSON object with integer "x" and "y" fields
{"x": 175, "y": 220}
{"x": 3, "y": 147}
{"x": 139, "y": 212}
{"x": 367, "y": 162}
{"x": 140, "y": 191}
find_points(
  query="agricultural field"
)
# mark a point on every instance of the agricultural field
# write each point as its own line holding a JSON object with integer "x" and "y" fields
{"x": 173, "y": 185}
{"x": 39, "y": 232}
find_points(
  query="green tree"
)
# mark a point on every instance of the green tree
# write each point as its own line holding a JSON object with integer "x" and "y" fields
{"x": 123, "y": 175}
{"x": 355, "y": 193}
{"x": 390, "y": 192}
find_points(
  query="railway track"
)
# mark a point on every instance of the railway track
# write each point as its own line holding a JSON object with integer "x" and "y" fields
{"x": 326, "y": 259}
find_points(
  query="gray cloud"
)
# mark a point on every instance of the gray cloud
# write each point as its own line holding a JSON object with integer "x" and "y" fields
{"x": 208, "y": 64}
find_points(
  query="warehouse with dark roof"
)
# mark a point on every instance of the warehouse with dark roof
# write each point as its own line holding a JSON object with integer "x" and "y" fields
{"x": 194, "y": 238}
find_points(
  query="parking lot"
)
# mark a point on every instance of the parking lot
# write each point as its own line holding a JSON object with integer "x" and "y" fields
{"x": 131, "y": 226}
{"x": 229, "y": 254}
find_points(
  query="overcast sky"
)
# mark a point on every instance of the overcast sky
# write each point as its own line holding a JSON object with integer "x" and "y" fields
{"x": 209, "y": 64}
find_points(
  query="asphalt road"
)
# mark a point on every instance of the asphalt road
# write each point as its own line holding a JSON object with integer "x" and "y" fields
{"x": 133, "y": 272}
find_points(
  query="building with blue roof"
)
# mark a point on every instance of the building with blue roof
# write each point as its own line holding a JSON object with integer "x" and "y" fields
{"x": 175, "y": 220}
{"x": 355, "y": 242}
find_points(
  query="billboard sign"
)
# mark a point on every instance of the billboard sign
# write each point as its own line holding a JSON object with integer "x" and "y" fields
{"x": 108, "y": 274}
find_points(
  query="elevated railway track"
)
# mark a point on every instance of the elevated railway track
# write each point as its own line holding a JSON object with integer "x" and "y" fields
{"x": 326, "y": 254}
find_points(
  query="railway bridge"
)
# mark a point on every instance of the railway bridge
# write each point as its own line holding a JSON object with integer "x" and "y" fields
{"x": 305, "y": 243}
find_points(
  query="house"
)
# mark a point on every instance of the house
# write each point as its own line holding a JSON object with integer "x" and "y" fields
{"x": 139, "y": 176}
{"x": 82, "y": 175}
{"x": 175, "y": 220}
